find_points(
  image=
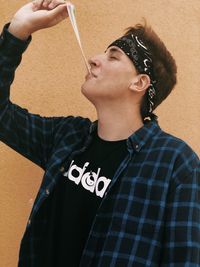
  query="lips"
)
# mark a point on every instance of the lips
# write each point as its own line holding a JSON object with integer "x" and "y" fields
{"x": 90, "y": 75}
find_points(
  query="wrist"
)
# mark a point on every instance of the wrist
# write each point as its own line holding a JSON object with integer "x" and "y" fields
{"x": 19, "y": 30}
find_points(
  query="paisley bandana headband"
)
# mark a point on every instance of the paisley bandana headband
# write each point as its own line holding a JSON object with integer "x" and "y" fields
{"x": 138, "y": 53}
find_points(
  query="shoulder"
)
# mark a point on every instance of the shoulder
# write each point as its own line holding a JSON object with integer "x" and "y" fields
{"x": 160, "y": 140}
{"x": 71, "y": 125}
{"x": 186, "y": 163}
{"x": 79, "y": 122}
{"x": 177, "y": 145}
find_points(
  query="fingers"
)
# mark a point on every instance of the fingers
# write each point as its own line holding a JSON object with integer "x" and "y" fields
{"x": 57, "y": 14}
{"x": 55, "y": 3}
{"x": 59, "y": 9}
{"x": 47, "y": 4}
{"x": 37, "y": 4}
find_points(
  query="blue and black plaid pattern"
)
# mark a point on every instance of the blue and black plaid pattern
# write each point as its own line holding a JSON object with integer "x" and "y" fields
{"x": 150, "y": 215}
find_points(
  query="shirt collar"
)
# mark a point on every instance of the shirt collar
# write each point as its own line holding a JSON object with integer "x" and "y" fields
{"x": 140, "y": 137}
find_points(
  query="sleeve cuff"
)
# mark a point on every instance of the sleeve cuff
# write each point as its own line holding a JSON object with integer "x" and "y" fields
{"x": 11, "y": 44}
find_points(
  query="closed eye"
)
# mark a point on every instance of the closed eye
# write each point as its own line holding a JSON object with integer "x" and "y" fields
{"x": 114, "y": 53}
{"x": 113, "y": 57}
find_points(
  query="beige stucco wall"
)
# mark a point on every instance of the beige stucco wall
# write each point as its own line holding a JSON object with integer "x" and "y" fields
{"x": 52, "y": 72}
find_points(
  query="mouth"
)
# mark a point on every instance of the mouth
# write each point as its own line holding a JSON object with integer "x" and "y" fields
{"x": 90, "y": 76}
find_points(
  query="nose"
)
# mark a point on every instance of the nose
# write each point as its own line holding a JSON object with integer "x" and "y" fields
{"x": 95, "y": 61}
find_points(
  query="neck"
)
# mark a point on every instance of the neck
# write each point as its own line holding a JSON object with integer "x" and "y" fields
{"x": 115, "y": 123}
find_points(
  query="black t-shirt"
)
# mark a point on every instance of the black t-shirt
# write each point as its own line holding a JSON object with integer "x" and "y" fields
{"x": 75, "y": 200}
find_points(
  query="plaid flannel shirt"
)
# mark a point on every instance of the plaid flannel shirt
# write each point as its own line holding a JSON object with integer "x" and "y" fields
{"x": 150, "y": 215}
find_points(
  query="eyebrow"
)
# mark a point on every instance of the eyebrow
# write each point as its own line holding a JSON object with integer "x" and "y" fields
{"x": 115, "y": 49}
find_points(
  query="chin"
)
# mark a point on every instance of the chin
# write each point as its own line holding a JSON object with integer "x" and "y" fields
{"x": 84, "y": 89}
{"x": 87, "y": 92}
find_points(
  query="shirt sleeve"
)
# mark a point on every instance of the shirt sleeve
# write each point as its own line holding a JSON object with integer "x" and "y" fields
{"x": 181, "y": 243}
{"x": 29, "y": 134}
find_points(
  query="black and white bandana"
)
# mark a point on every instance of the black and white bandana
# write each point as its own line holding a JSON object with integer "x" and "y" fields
{"x": 139, "y": 54}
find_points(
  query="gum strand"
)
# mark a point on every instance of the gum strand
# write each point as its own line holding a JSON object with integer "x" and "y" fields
{"x": 71, "y": 12}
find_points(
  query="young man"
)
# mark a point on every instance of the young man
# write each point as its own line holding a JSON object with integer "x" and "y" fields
{"x": 116, "y": 192}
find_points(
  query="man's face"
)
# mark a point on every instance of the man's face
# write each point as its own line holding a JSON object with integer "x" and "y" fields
{"x": 111, "y": 76}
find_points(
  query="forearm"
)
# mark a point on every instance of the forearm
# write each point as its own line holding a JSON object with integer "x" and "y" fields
{"x": 11, "y": 50}
{"x": 19, "y": 129}
{"x": 29, "y": 134}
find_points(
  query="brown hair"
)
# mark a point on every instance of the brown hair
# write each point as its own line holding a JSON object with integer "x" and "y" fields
{"x": 164, "y": 65}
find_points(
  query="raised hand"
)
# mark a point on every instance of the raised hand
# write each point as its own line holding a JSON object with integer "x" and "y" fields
{"x": 37, "y": 15}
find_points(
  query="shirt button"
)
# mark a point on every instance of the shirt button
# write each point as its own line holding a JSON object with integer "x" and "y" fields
{"x": 29, "y": 222}
{"x": 62, "y": 169}
{"x": 47, "y": 191}
{"x": 136, "y": 146}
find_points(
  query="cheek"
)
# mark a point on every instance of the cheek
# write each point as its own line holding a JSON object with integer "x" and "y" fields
{"x": 113, "y": 83}
{"x": 118, "y": 82}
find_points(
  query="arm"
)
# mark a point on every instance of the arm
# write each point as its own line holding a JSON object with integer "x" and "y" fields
{"x": 30, "y": 135}
{"x": 181, "y": 244}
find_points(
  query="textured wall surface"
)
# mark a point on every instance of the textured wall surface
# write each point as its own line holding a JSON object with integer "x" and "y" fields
{"x": 52, "y": 71}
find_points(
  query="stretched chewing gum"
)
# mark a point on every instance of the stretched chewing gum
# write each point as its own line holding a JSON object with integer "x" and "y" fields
{"x": 71, "y": 13}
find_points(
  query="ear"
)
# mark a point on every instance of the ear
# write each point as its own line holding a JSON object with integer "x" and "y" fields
{"x": 140, "y": 83}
